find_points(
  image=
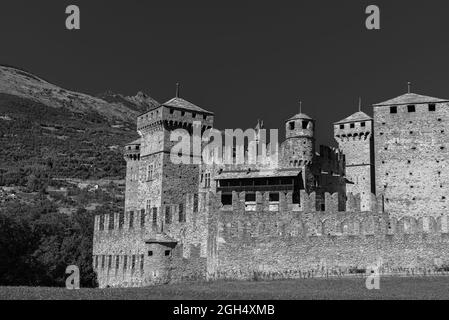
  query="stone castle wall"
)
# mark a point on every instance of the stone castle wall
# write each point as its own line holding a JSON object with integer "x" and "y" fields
{"x": 271, "y": 238}
{"x": 297, "y": 241}
{"x": 185, "y": 223}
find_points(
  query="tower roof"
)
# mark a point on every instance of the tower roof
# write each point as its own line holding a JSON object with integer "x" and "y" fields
{"x": 358, "y": 116}
{"x": 300, "y": 116}
{"x": 410, "y": 98}
{"x": 135, "y": 142}
{"x": 180, "y": 103}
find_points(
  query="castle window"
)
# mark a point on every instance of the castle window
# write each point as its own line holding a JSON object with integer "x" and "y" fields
{"x": 172, "y": 111}
{"x": 274, "y": 196}
{"x": 342, "y": 126}
{"x": 363, "y": 124}
{"x": 352, "y": 125}
{"x": 142, "y": 258}
{"x": 183, "y": 113}
{"x": 207, "y": 180}
{"x": 142, "y": 218}
{"x": 291, "y": 125}
{"x": 150, "y": 253}
{"x": 432, "y": 107}
{"x": 167, "y": 215}
{"x": 131, "y": 219}
{"x": 101, "y": 222}
{"x": 111, "y": 221}
{"x": 167, "y": 253}
{"x": 117, "y": 262}
{"x": 182, "y": 215}
{"x": 96, "y": 262}
{"x": 150, "y": 172}
{"x": 193, "y": 115}
{"x": 393, "y": 109}
{"x": 133, "y": 263}
{"x": 125, "y": 262}
{"x": 103, "y": 257}
{"x": 195, "y": 202}
{"x": 154, "y": 217}
{"x": 305, "y": 124}
{"x": 226, "y": 199}
{"x": 204, "y": 117}
{"x": 411, "y": 108}
{"x": 323, "y": 207}
{"x": 110, "y": 262}
{"x": 121, "y": 220}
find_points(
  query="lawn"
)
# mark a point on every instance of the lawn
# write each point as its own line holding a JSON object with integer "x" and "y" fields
{"x": 354, "y": 288}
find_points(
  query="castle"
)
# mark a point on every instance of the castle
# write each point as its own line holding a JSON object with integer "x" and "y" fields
{"x": 380, "y": 196}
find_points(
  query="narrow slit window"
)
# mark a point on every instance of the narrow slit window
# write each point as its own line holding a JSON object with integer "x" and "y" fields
{"x": 131, "y": 219}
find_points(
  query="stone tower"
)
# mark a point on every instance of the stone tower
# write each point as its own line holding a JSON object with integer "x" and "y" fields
{"x": 355, "y": 139}
{"x": 411, "y": 145}
{"x": 299, "y": 146}
{"x": 156, "y": 180}
{"x": 298, "y": 149}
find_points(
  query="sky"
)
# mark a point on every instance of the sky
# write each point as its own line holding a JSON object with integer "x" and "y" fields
{"x": 244, "y": 60}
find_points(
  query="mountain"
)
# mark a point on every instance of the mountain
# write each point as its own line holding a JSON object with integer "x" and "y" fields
{"x": 50, "y": 131}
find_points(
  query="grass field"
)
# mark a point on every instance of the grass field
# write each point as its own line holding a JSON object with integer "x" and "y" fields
{"x": 390, "y": 288}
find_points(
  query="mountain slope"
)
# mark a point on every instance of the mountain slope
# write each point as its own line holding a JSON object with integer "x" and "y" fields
{"x": 61, "y": 133}
{"x": 23, "y": 84}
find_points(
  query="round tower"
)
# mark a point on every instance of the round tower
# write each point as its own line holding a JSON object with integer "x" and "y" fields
{"x": 299, "y": 146}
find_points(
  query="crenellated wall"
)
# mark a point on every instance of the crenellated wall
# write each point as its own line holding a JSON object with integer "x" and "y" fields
{"x": 265, "y": 239}
{"x": 180, "y": 228}
{"x": 294, "y": 242}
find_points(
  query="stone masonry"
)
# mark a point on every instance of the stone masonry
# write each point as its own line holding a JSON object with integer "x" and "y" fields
{"x": 382, "y": 196}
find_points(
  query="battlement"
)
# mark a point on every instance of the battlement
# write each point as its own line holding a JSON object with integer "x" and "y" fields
{"x": 263, "y": 226}
{"x": 283, "y": 202}
{"x": 174, "y": 117}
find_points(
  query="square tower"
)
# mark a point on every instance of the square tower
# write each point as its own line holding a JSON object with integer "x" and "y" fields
{"x": 155, "y": 180}
{"x": 411, "y": 147}
{"x": 355, "y": 139}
